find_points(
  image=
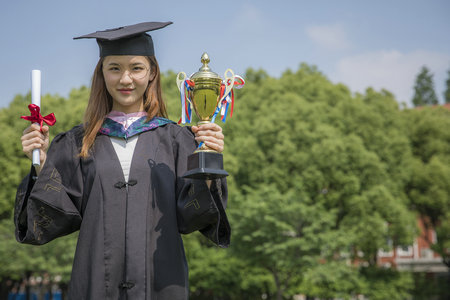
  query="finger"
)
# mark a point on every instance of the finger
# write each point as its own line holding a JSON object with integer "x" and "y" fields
{"x": 32, "y": 140}
{"x": 29, "y": 150}
{"x": 214, "y": 146}
{"x": 32, "y": 135}
{"x": 45, "y": 130}
{"x": 46, "y": 136}
{"x": 26, "y": 130}
{"x": 210, "y": 139}
{"x": 210, "y": 126}
{"x": 31, "y": 128}
{"x": 31, "y": 147}
{"x": 194, "y": 129}
{"x": 36, "y": 126}
{"x": 216, "y": 134}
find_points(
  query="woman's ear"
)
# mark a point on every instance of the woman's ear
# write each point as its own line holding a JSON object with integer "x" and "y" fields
{"x": 152, "y": 76}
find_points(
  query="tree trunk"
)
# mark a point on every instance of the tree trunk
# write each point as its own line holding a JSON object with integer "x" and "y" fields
{"x": 278, "y": 285}
{"x": 63, "y": 286}
{"x": 447, "y": 293}
{"x": 49, "y": 290}
{"x": 27, "y": 285}
{"x": 5, "y": 287}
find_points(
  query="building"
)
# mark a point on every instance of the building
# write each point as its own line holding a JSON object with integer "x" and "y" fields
{"x": 418, "y": 257}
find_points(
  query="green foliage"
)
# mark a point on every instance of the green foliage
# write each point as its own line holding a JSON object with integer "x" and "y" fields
{"x": 426, "y": 288}
{"x": 387, "y": 284}
{"x": 429, "y": 189}
{"x": 447, "y": 88}
{"x": 333, "y": 280}
{"x": 424, "y": 89}
{"x": 282, "y": 234}
{"x": 16, "y": 259}
{"x": 318, "y": 180}
{"x": 171, "y": 95}
{"x": 321, "y": 179}
{"x": 213, "y": 272}
{"x": 56, "y": 257}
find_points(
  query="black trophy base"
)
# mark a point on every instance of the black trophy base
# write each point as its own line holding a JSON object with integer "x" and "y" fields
{"x": 205, "y": 165}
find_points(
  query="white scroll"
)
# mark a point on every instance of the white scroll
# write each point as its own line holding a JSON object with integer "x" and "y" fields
{"x": 36, "y": 99}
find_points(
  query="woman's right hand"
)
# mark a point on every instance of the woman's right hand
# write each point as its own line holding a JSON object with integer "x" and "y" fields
{"x": 33, "y": 138}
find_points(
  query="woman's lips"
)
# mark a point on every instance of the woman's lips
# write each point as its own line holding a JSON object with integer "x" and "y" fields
{"x": 125, "y": 91}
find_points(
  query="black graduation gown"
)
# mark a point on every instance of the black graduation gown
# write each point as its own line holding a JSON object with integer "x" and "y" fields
{"x": 129, "y": 245}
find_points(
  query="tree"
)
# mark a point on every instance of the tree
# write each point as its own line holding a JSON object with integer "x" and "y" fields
{"x": 321, "y": 179}
{"x": 318, "y": 182}
{"x": 447, "y": 89}
{"x": 424, "y": 89}
{"x": 17, "y": 260}
{"x": 428, "y": 188}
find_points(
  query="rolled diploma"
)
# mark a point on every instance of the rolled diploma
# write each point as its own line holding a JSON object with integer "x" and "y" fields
{"x": 36, "y": 99}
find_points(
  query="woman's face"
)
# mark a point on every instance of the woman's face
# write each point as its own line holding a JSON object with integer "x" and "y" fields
{"x": 126, "y": 79}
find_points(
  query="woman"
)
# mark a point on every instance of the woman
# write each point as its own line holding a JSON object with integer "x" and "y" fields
{"x": 117, "y": 180}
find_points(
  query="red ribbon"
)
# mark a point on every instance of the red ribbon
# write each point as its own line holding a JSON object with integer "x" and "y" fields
{"x": 222, "y": 90}
{"x": 232, "y": 103}
{"x": 36, "y": 116}
{"x": 190, "y": 83}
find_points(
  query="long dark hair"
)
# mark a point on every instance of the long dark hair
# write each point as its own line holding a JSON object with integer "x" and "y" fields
{"x": 100, "y": 103}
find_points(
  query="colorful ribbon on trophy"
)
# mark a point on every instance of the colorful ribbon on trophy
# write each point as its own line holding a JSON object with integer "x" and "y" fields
{"x": 36, "y": 116}
{"x": 186, "y": 111}
{"x": 226, "y": 97}
{"x": 226, "y": 104}
{"x": 228, "y": 100}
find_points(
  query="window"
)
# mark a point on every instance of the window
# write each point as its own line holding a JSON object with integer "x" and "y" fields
{"x": 405, "y": 250}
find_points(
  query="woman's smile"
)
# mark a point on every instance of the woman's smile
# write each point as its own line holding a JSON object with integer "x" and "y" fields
{"x": 126, "y": 91}
{"x": 126, "y": 79}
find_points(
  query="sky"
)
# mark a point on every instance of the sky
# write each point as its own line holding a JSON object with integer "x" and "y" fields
{"x": 379, "y": 44}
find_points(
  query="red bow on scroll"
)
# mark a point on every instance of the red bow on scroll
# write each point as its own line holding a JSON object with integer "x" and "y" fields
{"x": 36, "y": 117}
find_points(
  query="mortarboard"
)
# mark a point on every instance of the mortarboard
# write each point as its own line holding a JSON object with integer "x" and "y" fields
{"x": 126, "y": 40}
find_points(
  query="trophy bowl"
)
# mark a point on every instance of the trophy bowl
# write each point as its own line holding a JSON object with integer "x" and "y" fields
{"x": 204, "y": 96}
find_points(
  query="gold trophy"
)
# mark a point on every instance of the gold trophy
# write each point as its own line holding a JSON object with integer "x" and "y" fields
{"x": 204, "y": 94}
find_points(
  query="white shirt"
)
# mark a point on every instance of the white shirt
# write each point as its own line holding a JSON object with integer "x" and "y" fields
{"x": 124, "y": 150}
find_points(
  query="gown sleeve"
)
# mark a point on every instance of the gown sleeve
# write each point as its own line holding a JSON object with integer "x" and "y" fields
{"x": 199, "y": 207}
{"x": 48, "y": 206}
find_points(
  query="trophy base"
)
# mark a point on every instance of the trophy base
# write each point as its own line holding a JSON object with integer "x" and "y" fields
{"x": 205, "y": 165}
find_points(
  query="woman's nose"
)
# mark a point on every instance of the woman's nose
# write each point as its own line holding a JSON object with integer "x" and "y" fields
{"x": 126, "y": 77}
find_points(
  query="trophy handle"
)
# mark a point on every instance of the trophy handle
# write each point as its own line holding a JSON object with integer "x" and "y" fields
{"x": 229, "y": 83}
{"x": 181, "y": 77}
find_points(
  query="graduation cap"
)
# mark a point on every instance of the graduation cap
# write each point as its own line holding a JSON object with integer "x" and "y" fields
{"x": 126, "y": 40}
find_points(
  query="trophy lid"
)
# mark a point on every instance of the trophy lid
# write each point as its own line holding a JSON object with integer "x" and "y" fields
{"x": 205, "y": 71}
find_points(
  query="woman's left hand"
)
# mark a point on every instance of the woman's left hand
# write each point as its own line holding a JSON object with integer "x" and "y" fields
{"x": 211, "y": 134}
